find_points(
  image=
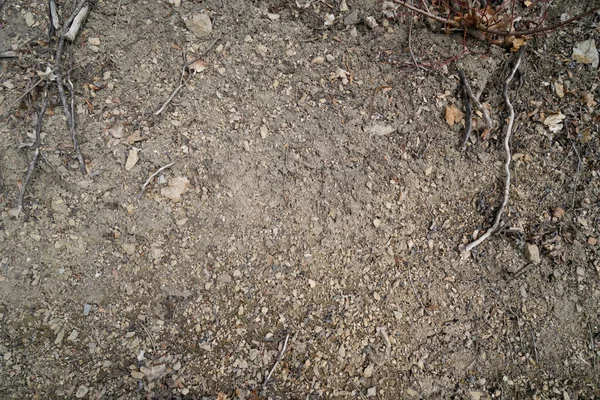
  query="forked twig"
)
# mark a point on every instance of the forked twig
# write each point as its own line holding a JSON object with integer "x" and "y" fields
{"x": 182, "y": 81}
{"x": 158, "y": 171}
{"x": 279, "y": 358}
{"x": 473, "y": 99}
{"x": 81, "y": 8}
{"x": 509, "y": 128}
{"x": 36, "y": 147}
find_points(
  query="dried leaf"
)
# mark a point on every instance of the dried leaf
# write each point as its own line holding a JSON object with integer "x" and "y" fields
{"x": 516, "y": 44}
{"x": 116, "y": 131}
{"x": 559, "y": 89}
{"x": 453, "y": 115}
{"x": 588, "y": 100}
{"x": 197, "y": 66}
{"x": 586, "y": 135}
{"x": 558, "y": 212}
{"x": 586, "y": 53}
{"x": 47, "y": 75}
{"x": 135, "y": 137}
{"x": 554, "y": 122}
{"x": 177, "y": 187}
{"x": 132, "y": 158}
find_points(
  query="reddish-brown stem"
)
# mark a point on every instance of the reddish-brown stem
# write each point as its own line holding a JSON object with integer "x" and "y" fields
{"x": 497, "y": 32}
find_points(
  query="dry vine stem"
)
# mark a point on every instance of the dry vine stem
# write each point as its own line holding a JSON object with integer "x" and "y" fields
{"x": 69, "y": 32}
{"x": 509, "y": 128}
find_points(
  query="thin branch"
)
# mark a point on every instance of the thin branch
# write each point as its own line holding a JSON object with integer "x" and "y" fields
{"x": 509, "y": 128}
{"x": 412, "y": 54}
{"x": 182, "y": 81}
{"x": 17, "y": 101}
{"x": 158, "y": 171}
{"x": 36, "y": 147}
{"x": 61, "y": 90}
{"x": 279, "y": 358}
{"x": 425, "y": 310}
{"x": 468, "y": 108}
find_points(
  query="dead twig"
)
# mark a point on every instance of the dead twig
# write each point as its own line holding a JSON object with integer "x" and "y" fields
{"x": 468, "y": 109}
{"x": 36, "y": 147}
{"x": 593, "y": 348}
{"x": 77, "y": 17}
{"x": 8, "y": 54}
{"x": 412, "y": 285}
{"x": 412, "y": 54}
{"x": 474, "y": 99}
{"x": 17, "y": 101}
{"x": 509, "y": 128}
{"x": 182, "y": 81}
{"x": 279, "y": 358}
{"x": 158, "y": 171}
{"x": 576, "y": 179}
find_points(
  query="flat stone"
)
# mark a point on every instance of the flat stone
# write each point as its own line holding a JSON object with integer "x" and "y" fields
{"x": 352, "y": 18}
{"x": 200, "y": 25}
{"x": 82, "y": 391}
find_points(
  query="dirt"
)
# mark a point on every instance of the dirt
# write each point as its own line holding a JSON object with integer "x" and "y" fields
{"x": 324, "y": 213}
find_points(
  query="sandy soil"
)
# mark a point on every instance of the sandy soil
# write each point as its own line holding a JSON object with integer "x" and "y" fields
{"x": 325, "y": 201}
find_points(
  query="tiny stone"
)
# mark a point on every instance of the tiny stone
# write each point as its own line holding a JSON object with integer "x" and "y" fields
{"x": 82, "y": 391}
{"x": 343, "y": 6}
{"x": 73, "y": 336}
{"x": 59, "y": 337}
{"x": 264, "y": 132}
{"x": 86, "y": 309}
{"x": 224, "y": 278}
{"x": 318, "y": 60}
{"x": 29, "y": 20}
{"x": 376, "y": 222}
{"x": 95, "y": 49}
{"x": 533, "y": 253}
{"x": 581, "y": 271}
{"x": 273, "y": 17}
{"x": 352, "y": 18}
{"x": 312, "y": 283}
{"x": 368, "y": 372}
{"x": 94, "y": 41}
{"x": 372, "y": 392}
{"x": 137, "y": 375}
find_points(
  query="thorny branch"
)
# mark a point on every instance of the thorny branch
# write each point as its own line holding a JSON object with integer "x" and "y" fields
{"x": 509, "y": 129}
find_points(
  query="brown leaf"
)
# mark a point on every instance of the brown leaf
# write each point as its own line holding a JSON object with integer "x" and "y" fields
{"x": 197, "y": 66}
{"x": 558, "y": 212}
{"x": 453, "y": 115}
{"x": 135, "y": 137}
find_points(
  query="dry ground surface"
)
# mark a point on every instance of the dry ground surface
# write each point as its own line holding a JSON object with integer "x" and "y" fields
{"x": 324, "y": 211}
